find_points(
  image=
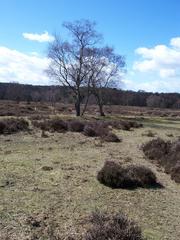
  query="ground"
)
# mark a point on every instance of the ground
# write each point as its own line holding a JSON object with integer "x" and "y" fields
{"x": 68, "y": 192}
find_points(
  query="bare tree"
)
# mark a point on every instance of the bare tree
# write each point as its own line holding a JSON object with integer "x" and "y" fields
{"x": 106, "y": 73}
{"x": 69, "y": 63}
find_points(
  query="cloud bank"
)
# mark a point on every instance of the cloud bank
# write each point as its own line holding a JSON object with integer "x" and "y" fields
{"x": 23, "y": 68}
{"x": 162, "y": 59}
{"x": 44, "y": 37}
{"x": 156, "y": 69}
{"x": 163, "y": 62}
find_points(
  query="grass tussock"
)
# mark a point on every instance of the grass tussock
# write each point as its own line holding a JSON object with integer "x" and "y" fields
{"x": 116, "y": 176}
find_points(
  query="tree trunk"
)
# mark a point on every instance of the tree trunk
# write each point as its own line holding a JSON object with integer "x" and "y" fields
{"x": 85, "y": 106}
{"x": 78, "y": 105}
{"x": 100, "y": 104}
{"x": 101, "y": 110}
{"x": 78, "y": 108}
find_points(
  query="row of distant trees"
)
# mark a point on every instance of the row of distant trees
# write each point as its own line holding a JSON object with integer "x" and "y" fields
{"x": 111, "y": 96}
{"x": 83, "y": 64}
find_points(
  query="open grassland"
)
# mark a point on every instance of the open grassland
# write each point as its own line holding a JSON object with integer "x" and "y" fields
{"x": 54, "y": 178}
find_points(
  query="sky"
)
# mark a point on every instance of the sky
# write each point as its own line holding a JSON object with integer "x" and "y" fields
{"x": 146, "y": 32}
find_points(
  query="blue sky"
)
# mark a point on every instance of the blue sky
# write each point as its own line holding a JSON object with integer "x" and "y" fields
{"x": 151, "y": 26}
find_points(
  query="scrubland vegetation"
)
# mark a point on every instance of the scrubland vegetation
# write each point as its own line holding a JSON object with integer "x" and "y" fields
{"x": 91, "y": 177}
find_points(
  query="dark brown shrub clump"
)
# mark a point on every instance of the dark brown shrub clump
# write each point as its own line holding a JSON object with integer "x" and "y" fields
{"x": 135, "y": 124}
{"x": 2, "y": 127}
{"x": 112, "y": 227}
{"x": 165, "y": 154}
{"x": 124, "y": 125}
{"x": 96, "y": 129}
{"x": 58, "y": 125}
{"x": 175, "y": 173}
{"x": 149, "y": 133}
{"x": 116, "y": 176}
{"x": 76, "y": 126}
{"x": 13, "y": 125}
{"x": 47, "y": 168}
{"x": 100, "y": 129}
{"x": 111, "y": 137}
{"x": 90, "y": 131}
{"x": 53, "y": 125}
{"x": 156, "y": 148}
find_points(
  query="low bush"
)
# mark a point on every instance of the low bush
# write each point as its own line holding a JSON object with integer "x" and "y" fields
{"x": 116, "y": 176}
{"x": 76, "y": 126}
{"x": 111, "y": 137}
{"x": 156, "y": 148}
{"x": 13, "y": 125}
{"x": 175, "y": 173}
{"x": 2, "y": 127}
{"x": 115, "y": 227}
{"x": 52, "y": 125}
{"x": 166, "y": 154}
{"x": 149, "y": 133}
{"x": 90, "y": 131}
{"x": 47, "y": 168}
{"x": 124, "y": 125}
{"x": 135, "y": 124}
{"x": 57, "y": 125}
{"x": 96, "y": 129}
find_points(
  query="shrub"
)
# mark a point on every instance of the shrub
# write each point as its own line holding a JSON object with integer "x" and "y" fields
{"x": 156, "y": 148}
{"x": 116, "y": 227}
{"x": 149, "y": 133}
{"x": 175, "y": 173}
{"x": 115, "y": 176}
{"x": 111, "y": 137}
{"x": 166, "y": 154}
{"x": 134, "y": 124}
{"x": 101, "y": 129}
{"x": 96, "y": 129}
{"x": 47, "y": 168}
{"x": 76, "y": 126}
{"x": 13, "y": 125}
{"x": 125, "y": 125}
{"x": 58, "y": 125}
{"x": 54, "y": 125}
{"x": 89, "y": 131}
{"x": 2, "y": 127}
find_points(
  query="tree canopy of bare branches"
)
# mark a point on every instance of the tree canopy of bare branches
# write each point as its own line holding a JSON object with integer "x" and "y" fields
{"x": 80, "y": 63}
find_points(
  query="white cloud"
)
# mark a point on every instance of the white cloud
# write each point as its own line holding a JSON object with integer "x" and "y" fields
{"x": 44, "y": 37}
{"x": 167, "y": 73}
{"x": 164, "y": 60}
{"x": 175, "y": 42}
{"x": 16, "y": 66}
{"x": 160, "y": 67}
{"x": 153, "y": 85}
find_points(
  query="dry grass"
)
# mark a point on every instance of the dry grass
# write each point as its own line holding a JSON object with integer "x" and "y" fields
{"x": 69, "y": 192}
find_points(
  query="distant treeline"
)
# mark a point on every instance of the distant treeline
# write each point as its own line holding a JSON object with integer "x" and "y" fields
{"x": 21, "y": 92}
